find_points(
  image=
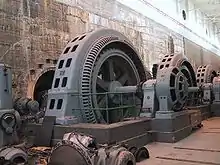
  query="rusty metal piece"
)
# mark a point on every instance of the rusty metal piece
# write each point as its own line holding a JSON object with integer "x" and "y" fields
{"x": 141, "y": 154}
{"x": 14, "y": 155}
{"x": 26, "y": 106}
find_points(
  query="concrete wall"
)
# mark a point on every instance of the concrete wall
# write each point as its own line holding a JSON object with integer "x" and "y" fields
{"x": 33, "y": 34}
{"x": 198, "y": 55}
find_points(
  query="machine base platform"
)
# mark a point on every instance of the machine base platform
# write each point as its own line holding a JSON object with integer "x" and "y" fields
{"x": 174, "y": 126}
{"x": 215, "y": 109}
{"x": 133, "y": 132}
{"x": 167, "y": 128}
{"x": 205, "y": 111}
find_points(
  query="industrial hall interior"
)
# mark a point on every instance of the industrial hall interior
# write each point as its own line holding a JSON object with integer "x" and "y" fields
{"x": 109, "y": 82}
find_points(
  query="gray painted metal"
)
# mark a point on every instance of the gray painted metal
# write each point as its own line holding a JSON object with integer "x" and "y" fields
{"x": 150, "y": 102}
{"x": 205, "y": 74}
{"x": 8, "y": 134}
{"x": 15, "y": 155}
{"x": 180, "y": 61}
{"x": 9, "y": 118}
{"x": 171, "y": 89}
{"x": 193, "y": 89}
{"x": 127, "y": 89}
{"x": 76, "y": 69}
{"x": 6, "y": 87}
{"x": 216, "y": 89}
{"x": 207, "y": 93}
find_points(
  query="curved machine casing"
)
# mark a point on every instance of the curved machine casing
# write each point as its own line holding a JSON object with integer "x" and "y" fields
{"x": 70, "y": 98}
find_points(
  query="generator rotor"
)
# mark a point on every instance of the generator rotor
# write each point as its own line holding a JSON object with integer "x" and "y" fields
{"x": 90, "y": 65}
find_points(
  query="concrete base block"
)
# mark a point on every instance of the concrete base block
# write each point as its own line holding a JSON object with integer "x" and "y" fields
{"x": 172, "y": 126}
{"x": 215, "y": 109}
{"x": 204, "y": 109}
{"x": 133, "y": 132}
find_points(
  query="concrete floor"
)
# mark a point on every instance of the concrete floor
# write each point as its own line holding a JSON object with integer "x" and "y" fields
{"x": 202, "y": 147}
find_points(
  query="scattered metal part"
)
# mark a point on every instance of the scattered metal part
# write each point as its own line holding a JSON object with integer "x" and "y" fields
{"x": 86, "y": 141}
{"x": 39, "y": 155}
{"x": 141, "y": 154}
{"x": 25, "y": 106}
{"x": 67, "y": 152}
{"x": 133, "y": 149}
{"x": 8, "y": 122}
{"x": 14, "y": 155}
{"x": 83, "y": 149}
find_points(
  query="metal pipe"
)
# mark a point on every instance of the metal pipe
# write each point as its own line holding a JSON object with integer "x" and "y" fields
{"x": 193, "y": 89}
{"x": 126, "y": 89}
{"x": 130, "y": 89}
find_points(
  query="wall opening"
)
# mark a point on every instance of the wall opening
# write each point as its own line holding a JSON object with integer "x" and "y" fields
{"x": 43, "y": 84}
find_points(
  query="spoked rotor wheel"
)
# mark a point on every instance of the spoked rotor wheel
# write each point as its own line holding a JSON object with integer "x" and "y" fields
{"x": 94, "y": 63}
{"x": 113, "y": 68}
{"x": 181, "y": 62}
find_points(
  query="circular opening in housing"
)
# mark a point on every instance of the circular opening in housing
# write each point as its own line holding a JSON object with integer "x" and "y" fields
{"x": 19, "y": 160}
{"x": 43, "y": 84}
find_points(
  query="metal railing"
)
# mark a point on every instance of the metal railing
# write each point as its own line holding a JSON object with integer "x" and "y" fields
{"x": 115, "y": 107}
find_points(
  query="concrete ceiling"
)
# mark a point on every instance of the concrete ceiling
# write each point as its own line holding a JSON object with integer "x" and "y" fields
{"x": 211, "y": 8}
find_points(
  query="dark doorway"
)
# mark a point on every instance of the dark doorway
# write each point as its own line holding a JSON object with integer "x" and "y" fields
{"x": 43, "y": 84}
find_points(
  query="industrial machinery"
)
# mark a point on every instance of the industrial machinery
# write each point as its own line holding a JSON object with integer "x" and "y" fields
{"x": 100, "y": 78}
{"x": 216, "y": 94}
{"x": 83, "y": 149}
{"x": 104, "y": 62}
{"x": 9, "y": 120}
{"x": 89, "y": 69}
{"x": 207, "y": 76}
{"x": 204, "y": 77}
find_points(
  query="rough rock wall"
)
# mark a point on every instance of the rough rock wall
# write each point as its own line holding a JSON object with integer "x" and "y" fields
{"x": 34, "y": 32}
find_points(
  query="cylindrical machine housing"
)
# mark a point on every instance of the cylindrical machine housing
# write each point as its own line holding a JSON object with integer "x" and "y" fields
{"x": 6, "y": 87}
{"x": 216, "y": 89}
